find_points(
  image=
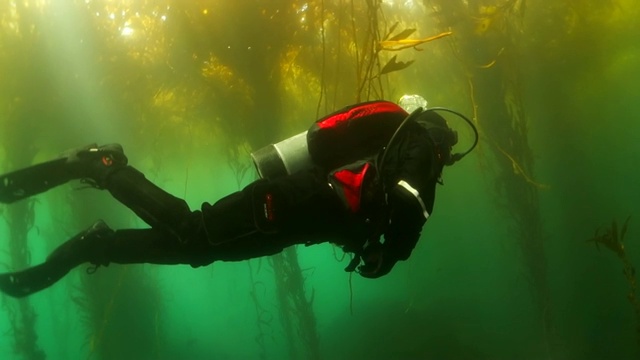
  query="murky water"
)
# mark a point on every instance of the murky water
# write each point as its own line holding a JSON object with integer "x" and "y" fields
{"x": 504, "y": 268}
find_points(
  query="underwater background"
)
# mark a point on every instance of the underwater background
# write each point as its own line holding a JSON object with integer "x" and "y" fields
{"x": 531, "y": 250}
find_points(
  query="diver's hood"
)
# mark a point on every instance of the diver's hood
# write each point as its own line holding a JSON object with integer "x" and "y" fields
{"x": 440, "y": 132}
{"x": 438, "y": 128}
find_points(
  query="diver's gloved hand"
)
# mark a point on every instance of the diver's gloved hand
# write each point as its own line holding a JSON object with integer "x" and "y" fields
{"x": 377, "y": 262}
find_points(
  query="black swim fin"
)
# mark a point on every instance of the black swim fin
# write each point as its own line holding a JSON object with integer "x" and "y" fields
{"x": 90, "y": 162}
{"x": 86, "y": 246}
{"x": 33, "y": 180}
{"x": 24, "y": 283}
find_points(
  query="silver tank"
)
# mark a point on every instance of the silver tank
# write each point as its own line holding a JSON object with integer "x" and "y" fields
{"x": 284, "y": 158}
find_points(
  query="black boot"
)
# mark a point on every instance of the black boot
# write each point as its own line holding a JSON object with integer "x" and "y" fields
{"x": 84, "y": 247}
{"x": 105, "y": 167}
{"x": 93, "y": 164}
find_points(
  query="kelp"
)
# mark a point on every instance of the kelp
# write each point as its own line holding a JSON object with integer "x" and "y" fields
{"x": 613, "y": 239}
{"x": 400, "y": 42}
{"x": 21, "y": 47}
{"x": 296, "y": 308}
{"x": 264, "y": 318}
{"x": 22, "y": 314}
{"x": 496, "y": 97}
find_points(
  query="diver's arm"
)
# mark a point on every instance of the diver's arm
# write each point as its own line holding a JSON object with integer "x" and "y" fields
{"x": 410, "y": 202}
{"x": 406, "y": 222}
{"x": 409, "y": 213}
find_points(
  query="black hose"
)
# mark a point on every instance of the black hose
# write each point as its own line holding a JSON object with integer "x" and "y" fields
{"x": 415, "y": 113}
{"x": 473, "y": 127}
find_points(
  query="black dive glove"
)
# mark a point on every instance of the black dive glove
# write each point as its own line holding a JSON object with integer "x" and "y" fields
{"x": 377, "y": 262}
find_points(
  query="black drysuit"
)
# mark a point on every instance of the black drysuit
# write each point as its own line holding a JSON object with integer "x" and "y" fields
{"x": 350, "y": 197}
{"x": 302, "y": 208}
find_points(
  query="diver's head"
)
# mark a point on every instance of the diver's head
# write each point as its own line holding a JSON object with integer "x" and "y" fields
{"x": 443, "y": 137}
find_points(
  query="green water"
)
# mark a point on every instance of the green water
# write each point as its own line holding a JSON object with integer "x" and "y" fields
{"x": 189, "y": 87}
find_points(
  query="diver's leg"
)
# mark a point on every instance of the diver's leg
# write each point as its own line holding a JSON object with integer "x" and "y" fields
{"x": 270, "y": 215}
{"x": 100, "y": 245}
{"x": 155, "y": 206}
{"x": 103, "y": 167}
{"x": 106, "y": 168}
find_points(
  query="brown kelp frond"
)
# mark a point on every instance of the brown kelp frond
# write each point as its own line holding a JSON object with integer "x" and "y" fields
{"x": 612, "y": 240}
{"x": 394, "y": 65}
{"x": 399, "y": 42}
{"x": 608, "y": 237}
{"x": 623, "y": 232}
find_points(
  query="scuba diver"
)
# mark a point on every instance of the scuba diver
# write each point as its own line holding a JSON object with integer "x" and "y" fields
{"x": 362, "y": 178}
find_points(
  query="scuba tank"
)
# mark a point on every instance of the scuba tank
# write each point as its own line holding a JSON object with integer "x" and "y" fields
{"x": 340, "y": 138}
{"x": 284, "y": 158}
